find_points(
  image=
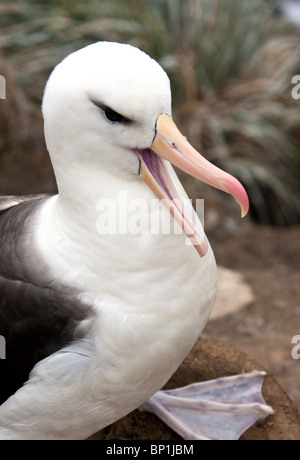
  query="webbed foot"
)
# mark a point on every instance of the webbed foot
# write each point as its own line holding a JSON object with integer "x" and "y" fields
{"x": 220, "y": 409}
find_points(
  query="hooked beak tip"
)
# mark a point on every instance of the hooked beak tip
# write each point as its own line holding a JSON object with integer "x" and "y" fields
{"x": 235, "y": 188}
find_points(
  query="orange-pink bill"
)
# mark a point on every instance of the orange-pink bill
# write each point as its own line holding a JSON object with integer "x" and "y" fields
{"x": 169, "y": 144}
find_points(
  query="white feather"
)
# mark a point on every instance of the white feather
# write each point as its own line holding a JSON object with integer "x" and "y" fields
{"x": 152, "y": 293}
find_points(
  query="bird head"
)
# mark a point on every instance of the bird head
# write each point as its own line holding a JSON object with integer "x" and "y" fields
{"x": 115, "y": 102}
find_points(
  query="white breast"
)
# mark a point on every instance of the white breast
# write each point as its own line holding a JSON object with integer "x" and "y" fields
{"x": 152, "y": 292}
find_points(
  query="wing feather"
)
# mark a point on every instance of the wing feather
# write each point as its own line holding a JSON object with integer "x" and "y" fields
{"x": 35, "y": 320}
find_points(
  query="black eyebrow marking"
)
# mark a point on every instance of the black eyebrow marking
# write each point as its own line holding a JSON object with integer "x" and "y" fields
{"x": 111, "y": 114}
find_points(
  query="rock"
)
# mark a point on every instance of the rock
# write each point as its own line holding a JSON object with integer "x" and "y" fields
{"x": 233, "y": 293}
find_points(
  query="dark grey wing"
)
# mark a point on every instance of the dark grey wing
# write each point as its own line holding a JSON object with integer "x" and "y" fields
{"x": 18, "y": 258}
{"x": 7, "y": 202}
{"x": 35, "y": 321}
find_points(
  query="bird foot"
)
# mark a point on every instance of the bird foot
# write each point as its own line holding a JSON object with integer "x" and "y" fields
{"x": 220, "y": 409}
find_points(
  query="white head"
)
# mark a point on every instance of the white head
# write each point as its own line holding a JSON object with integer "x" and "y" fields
{"x": 107, "y": 111}
{"x": 83, "y": 89}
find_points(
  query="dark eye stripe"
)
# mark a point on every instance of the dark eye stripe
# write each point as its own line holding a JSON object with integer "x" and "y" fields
{"x": 111, "y": 114}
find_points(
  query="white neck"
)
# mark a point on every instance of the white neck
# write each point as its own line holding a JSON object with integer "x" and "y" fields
{"x": 71, "y": 231}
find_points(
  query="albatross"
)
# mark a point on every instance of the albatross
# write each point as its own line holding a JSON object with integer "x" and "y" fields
{"x": 96, "y": 321}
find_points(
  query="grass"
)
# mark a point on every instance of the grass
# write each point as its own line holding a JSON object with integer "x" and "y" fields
{"x": 230, "y": 62}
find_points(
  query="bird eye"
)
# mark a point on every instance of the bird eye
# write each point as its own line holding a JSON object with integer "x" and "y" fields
{"x": 110, "y": 114}
{"x": 113, "y": 116}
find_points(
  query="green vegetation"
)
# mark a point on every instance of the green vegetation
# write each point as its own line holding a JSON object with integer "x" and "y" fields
{"x": 230, "y": 64}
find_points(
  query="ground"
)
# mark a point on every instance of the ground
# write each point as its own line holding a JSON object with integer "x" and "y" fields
{"x": 269, "y": 260}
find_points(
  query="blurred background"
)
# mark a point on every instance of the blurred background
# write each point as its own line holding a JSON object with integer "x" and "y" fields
{"x": 231, "y": 64}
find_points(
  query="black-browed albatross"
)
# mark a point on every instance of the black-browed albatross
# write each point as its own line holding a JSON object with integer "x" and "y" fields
{"x": 96, "y": 322}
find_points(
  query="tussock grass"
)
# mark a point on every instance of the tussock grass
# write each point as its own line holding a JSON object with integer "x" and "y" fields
{"x": 230, "y": 63}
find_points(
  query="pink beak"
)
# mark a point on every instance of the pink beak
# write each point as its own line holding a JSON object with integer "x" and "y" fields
{"x": 169, "y": 144}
